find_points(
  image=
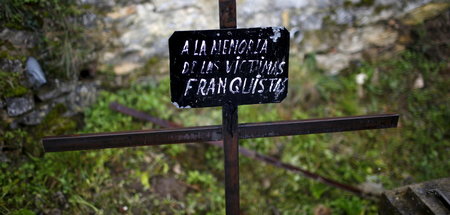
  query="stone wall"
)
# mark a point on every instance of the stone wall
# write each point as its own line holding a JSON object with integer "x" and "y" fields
{"x": 38, "y": 98}
{"x": 336, "y": 31}
{"x": 28, "y": 92}
{"x": 132, "y": 32}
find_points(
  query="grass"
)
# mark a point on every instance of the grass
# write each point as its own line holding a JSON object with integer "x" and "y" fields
{"x": 104, "y": 182}
{"x": 11, "y": 86}
{"x": 63, "y": 45}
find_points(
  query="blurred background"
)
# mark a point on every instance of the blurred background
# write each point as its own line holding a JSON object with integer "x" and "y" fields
{"x": 63, "y": 62}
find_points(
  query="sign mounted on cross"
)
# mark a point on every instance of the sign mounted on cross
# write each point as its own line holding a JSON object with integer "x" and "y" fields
{"x": 240, "y": 66}
{"x": 227, "y": 67}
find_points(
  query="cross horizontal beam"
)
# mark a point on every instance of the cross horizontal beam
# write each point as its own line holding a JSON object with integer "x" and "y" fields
{"x": 214, "y": 133}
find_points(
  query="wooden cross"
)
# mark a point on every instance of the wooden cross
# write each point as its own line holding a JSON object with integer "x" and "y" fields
{"x": 230, "y": 131}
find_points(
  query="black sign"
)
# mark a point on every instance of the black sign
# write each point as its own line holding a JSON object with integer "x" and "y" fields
{"x": 242, "y": 66}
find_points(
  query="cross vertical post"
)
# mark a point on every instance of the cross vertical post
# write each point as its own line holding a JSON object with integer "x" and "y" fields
{"x": 188, "y": 85}
{"x": 231, "y": 153}
{"x": 227, "y": 16}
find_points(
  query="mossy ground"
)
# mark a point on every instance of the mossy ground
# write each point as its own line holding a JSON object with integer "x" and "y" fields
{"x": 105, "y": 181}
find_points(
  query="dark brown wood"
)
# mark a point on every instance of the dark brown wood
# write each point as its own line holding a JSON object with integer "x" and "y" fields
{"x": 227, "y": 16}
{"x": 227, "y": 13}
{"x": 131, "y": 138}
{"x": 231, "y": 153}
{"x": 214, "y": 133}
{"x": 317, "y": 126}
{"x": 425, "y": 198}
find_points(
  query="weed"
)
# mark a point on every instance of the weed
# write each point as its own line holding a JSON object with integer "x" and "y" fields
{"x": 11, "y": 86}
{"x": 104, "y": 181}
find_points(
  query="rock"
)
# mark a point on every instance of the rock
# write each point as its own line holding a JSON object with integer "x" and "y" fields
{"x": 419, "y": 82}
{"x": 423, "y": 13}
{"x": 144, "y": 29}
{"x": 372, "y": 185}
{"x": 121, "y": 13}
{"x": 379, "y": 35}
{"x": 171, "y": 5}
{"x": 98, "y": 3}
{"x": 84, "y": 95}
{"x": 36, "y": 77}
{"x": 8, "y": 65}
{"x": 289, "y": 4}
{"x": 140, "y": 30}
{"x": 125, "y": 68}
{"x": 318, "y": 41}
{"x": 333, "y": 63}
{"x": 36, "y": 116}
{"x": 55, "y": 90}
{"x": 351, "y": 41}
{"x": 343, "y": 16}
{"x": 19, "y": 106}
{"x": 312, "y": 22}
{"x": 89, "y": 20}
{"x": 19, "y": 39}
{"x": 2, "y": 104}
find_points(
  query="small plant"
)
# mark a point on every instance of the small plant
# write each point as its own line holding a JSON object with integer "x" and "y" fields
{"x": 11, "y": 86}
{"x": 63, "y": 45}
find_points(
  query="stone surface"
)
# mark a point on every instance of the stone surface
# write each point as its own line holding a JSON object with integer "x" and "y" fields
{"x": 19, "y": 106}
{"x": 36, "y": 116}
{"x": 336, "y": 32}
{"x": 126, "y": 68}
{"x": 334, "y": 62}
{"x": 84, "y": 95}
{"x": 351, "y": 41}
{"x": 425, "y": 12}
{"x": 55, "y": 90}
{"x": 8, "y": 65}
{"x": 371, "y": 187}
{"x": 379, "y": 35}
{"x": 19, "y": 39}
{"x": 34, "y": 73}
{"x": 141, "y": 28}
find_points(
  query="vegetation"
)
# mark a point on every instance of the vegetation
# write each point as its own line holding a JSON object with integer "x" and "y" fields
{"x": 10, "y": 85}
{"x": 118, "y": 180}
{"x": 132, "y": 180}
{"x": 63, "y": 43}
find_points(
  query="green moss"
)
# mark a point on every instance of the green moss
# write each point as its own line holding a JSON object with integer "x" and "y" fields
{"x": 361, "y": 3}
{"x": 381, "y": 8}
{"x": 55, "y": 124}
{"x": 66, "y": 43}
{"x": 105, "y": 180}
{"x": 366, "y": 3}
{"x": 28, "y": 140}
{"x": 10, "y": 85}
